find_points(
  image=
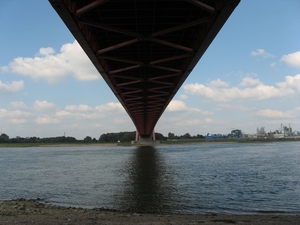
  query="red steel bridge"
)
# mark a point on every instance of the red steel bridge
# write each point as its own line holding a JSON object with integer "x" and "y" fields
{"x": 144, "y": 49}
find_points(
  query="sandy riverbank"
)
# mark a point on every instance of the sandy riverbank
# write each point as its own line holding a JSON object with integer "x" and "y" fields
{"x": 32, "y": 212}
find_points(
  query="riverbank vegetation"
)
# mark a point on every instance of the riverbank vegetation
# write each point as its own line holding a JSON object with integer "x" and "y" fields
{"x": 123, "y": 139}
{"x": 126, "y": 136}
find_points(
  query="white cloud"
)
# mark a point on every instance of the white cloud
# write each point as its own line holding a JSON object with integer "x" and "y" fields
{"x": 181, "y": 119}
{"x": 46, "y": 120}
{"x": 77, "y": 115}
{"x": 256, "y": 91}
{"x": 16, "y": 113}
{"x": 81, "y": 66}
{"x": 80, "y": 108}
{"x": 290, "y": 83}
{"x": 219, "y": 83}
{"x": 18, "y": 121}
{"x": 191, "y": 122}
{"x": 278, "y": 114}
{"x": 183, "y": 97}
{"x": 176, "y": 105}
{"x": 93, "y": 115}
{"x": 63, "y": 114}
{"x": 262, "y": 53}
{"x": 292, "y": 59}
{"x": 70, "y": 61}
{"x": 19, "y": 105}
{"x": 97, "y": 125}
{"x": 119, "y": 121}
{"x": 110, "y": 107}
{"x": 86, "y": 112}
{"x": 208, "y": 120}
{"x": 182, "y": 123}
{"x": 43, "y": 105}
{"x": 14, "y": 86}
{"x": 248, "y": 81}
{"x": 236, "y": 107}
{"x": 46, "y": 51}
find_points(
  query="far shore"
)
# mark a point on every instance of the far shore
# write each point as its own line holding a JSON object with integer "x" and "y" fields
{"x": 20, "y": 145}
{"x": 169, "y": 142}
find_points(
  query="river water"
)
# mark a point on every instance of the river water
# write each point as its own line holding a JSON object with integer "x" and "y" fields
{"x": 232, "y": 178}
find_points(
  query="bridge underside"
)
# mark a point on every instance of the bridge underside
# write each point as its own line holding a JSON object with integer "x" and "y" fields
{"x": 144, "y": 49}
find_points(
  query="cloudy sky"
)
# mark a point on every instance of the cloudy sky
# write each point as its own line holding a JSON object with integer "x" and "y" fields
{"x": 249, "y": 77}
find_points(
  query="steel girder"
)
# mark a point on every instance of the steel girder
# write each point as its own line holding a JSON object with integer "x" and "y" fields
{"x": 144, "y": 49}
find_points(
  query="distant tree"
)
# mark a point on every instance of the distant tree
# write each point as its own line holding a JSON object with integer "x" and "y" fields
{"x": 33, "y": 139}
{"x": 102, "y": 138}
{"x": 127, "y": 136}
{"x": 4, "y": 138}
{"x": 70, "y": 139}
{"x": 115, "y": 137}
{"x": 171, "y": 135}
{"x": 160, "y": 136}
{"x": 59, "y": 139}
{"x": 199, "y": 136}
{"x": 186, "y": 136}
{"x": 87, "y": 139}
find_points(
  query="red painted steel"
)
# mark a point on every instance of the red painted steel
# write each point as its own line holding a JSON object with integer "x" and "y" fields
{"x": 144, "y": 49}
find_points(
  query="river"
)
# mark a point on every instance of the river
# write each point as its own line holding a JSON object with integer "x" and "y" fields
{"x": 231, "y": 178}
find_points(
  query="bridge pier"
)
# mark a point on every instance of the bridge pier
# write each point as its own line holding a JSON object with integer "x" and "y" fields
{"x": 145, "y": 139}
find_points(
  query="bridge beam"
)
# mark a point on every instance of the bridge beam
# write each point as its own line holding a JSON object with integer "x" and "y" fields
{"x": 144, "y": 50}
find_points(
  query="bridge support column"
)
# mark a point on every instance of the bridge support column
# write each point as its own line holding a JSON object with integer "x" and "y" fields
{"x": 145, "y": 140}
{"x": 153, "y": 136}
{"x": 137, "y": 135}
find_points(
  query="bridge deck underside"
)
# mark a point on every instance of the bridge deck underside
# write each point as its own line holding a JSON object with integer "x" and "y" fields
{"x": 144, "y": 50}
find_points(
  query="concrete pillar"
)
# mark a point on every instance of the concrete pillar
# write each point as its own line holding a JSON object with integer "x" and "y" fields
{"x": 137, "y": 135}
{"x": 144, "y": 140}
{"x": 153, "y": 136}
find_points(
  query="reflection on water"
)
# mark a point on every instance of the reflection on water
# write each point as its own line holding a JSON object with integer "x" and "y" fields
{"x": 147, "y": 184}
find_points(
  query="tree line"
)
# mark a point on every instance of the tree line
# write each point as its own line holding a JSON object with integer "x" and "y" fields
{"x": 4, "y": 138}
{"x": 130, "y": 136}
{"x": 125, "y": 136}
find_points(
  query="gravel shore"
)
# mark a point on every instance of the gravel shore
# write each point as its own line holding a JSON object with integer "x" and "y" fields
{"x": 32, "y": 212}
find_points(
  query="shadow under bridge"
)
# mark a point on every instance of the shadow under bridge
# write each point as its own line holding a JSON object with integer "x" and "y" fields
{"x": 146, "y": 49}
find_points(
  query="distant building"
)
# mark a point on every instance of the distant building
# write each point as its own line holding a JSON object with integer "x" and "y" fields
{"x": 214, "y": 137}
{"x": 261, "y": 132}
{"x": 287, "y": 131}
{"x": 284, "y": 131}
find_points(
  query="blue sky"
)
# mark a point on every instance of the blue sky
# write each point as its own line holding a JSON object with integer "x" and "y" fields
{"x": 249, "y": 77}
